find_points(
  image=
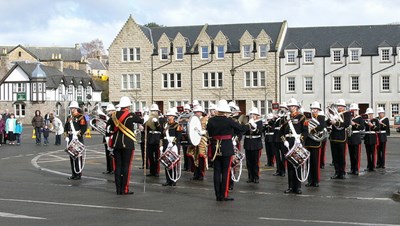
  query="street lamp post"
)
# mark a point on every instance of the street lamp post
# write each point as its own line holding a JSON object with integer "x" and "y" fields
{"x": 233, "y": 71}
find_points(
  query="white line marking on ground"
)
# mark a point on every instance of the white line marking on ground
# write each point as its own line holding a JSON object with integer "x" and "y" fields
{"x": 325, "y": 222}
{"x": 11, "y": 215}
{"x": 80, "y": 205}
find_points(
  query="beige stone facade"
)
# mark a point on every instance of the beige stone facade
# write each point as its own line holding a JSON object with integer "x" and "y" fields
{"x": 260, "y": 67}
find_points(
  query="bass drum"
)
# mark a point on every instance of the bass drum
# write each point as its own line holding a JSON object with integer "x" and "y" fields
{"x": 194, "y": 128}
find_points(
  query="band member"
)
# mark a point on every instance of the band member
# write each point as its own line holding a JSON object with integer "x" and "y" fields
{"x": 338, "y": 138}
{"x": 154, "y": 129}
{"x": 212, "y": 110}
{"x": 122, "y": 144}
{"x": 280, "y": 119}
{"x": 145, "y": 113}
{"x": 289, "y": 138}
{"x": 187, "y": 112}
{"x": 235, "y": 115}
{"x": 199, "y": 153}
{"x": 109, "y": 159}
{"x": 370, "y": 139}
{"x": 323, "y": 146}
{"x": 384, "y": 131}
{"x": 268, "y": 132}
{"x": 253, "y": 146}
{"x": 220, "y": 130}
{"x": 316, "y": 126}
{"x": 171, "y": 135}
{"x": 75, "y": 128}
{"x": 354, "y": 139}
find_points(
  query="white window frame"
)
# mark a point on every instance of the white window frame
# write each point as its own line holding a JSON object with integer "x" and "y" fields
{"x": 290, "y": 56}
{"x": 138, "y": 105}
{"x": 254, "y": 79}
{"x": 130, "y": 54}
{"x": 352, "y": 83}
{"x": 130, "y": 81}
{"x": 394, "y": 109}
{"x": 355, "y": 55}
{"x": 179, "y": 53}
{"x": 246, "y": 51}
{"x": 308, "y": 81}
{"x": 79, "y": 92}
{"x": 171, "y": 80}
{"x": 260, "y": 105}
{"x": 19, "y": 87}
{"x": 384, "y": 54}
{"x": 385, "y": 83}
{"x": 337, "y": 55}
{"x": 213, "y": 77}
{"x": 19, "y": 110}
{"x": 335, "y": 84}
{"x": 164, "y": 53}
{"x": 137, "y": 54}
{"x": 291, "y": 84}
{"x": 204, "y": 52}
{"x": 308, "y": 57}
{"x": 263, "y": 50}
{"x": 220, "y": 51}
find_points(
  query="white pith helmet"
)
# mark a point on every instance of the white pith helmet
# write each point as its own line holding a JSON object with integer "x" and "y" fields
{"x": 254, "y": 111}
{"x": 369, "y": 111}
{"x": 316, "y": 105}
{"x": 110, "y": 107}
{"x": 74, "y": 104}
{"x": 354, "y": 106}
{"x": 293, "y": 102}
{"x": 341, "y": 102}
{"x": 124, "y": 102}
{"x": 223, "y": 106}
{"x": 154, "y": 107}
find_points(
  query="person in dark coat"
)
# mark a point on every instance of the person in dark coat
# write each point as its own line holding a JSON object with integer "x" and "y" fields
{"x": 384, "y": 131}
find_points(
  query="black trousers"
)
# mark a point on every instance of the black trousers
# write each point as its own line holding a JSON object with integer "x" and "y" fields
{"x": 338, "y": 157}
{"x": 313, "y": 176}
{"x": 200, "y": 171}
{"x": 322, "y": 154}
{"x": 122, "y": 160}
{"x": 270, "y": 152}
{"x": 109, "y": 163}
{"x": 293, "y": 182}
{"x": 222, "y": 168}
{"x": 280, "y": 151}
{"x": 253, "y": 164}
{"x": 355, "y": 156}
{"x": 381, "y": 154}
{"x": 371, "y": 152}
{"x": 153, "y": 154}
{"x": 76, "y": 165}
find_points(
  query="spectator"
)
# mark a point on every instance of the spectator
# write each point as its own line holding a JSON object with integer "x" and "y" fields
{"x": 38, "y": 123}
{"x": 46, "y": 133}
{"x": 57, "y": 127}
{"x": 18, "y": 131}
{"x": 10, "y": 128}
{"x": 2, "y": 129}
{"x": 6, "y": 115}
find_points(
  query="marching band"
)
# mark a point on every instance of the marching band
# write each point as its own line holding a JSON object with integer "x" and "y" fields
{"x": 189, "y": 137}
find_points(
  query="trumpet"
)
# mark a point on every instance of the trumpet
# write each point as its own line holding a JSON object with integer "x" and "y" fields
{"x": 316, "y": 135}
{"x": 332, "y": 113}
{"x": 99, "y": 120}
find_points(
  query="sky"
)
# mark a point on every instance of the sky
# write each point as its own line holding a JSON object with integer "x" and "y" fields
{"x": 64, "y": 23}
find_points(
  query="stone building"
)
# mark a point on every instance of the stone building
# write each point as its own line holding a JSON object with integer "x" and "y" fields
{"x": 172, "y": 66}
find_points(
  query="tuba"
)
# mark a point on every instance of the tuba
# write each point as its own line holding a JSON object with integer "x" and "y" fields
{"x": 99, "y": 120}
{"x": 316, "y": 135}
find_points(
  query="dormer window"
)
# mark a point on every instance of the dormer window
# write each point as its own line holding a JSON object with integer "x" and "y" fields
{"x": 220, "y": 52}
{"x": 308, "y": 56}
{"x": 179, "y": 53}
{"x": 354, "y": 55}
{"x": 385, "y": 53}
{"x": 246, "y": 51}
{"x": 290, "y": 56}
{"x": 264, "y": 48}
{"x": 204, "y": 52}
{"x": 336, "y": 56}
{"x": 164, "y": 53}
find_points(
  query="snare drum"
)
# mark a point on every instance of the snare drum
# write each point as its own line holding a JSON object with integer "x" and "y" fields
{"x": 169, "y": 159}
{"x": 237, "y": 158}
{"x": 75, "y": 148}
{"x": 297, "y": 156}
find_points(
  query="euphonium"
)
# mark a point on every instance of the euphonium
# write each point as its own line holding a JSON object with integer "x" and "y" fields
{"x": 99, "y": 120}
{"x": 313, "y": 134}
{"x": 333, "y": 114}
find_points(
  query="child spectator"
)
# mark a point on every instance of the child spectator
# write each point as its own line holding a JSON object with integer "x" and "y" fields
{"x": 18, "y": 131}
{"x": 46, "y": 133}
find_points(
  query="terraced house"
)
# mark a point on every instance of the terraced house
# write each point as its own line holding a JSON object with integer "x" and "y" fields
{"x": 172, "y": 66}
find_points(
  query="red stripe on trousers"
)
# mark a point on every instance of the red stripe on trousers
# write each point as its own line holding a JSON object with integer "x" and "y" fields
{"x": 126, "y": 188}
{"x": 226, "y": 193}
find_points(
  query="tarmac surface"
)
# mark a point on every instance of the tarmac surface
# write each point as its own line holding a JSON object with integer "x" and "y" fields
{"x": 34, "y": 190}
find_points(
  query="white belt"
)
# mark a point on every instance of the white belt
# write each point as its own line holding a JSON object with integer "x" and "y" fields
{"x": 154, "y": 132}
{"x": 277, "y": 128}
{"x": 355, "y": 131}
{"x": 289, "y": 135}
{"x": 252, "y": 137}
{"x": 269, "y": 133}
{"x": 384, "y": 131}
{"x": 370, "y": 132}
{"x": 171, "y": 138}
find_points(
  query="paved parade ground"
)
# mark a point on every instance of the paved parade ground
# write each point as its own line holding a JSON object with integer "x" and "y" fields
{"x": 35, "y": 191}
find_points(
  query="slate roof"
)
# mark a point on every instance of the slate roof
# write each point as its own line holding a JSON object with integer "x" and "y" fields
{"x": 54, "y": 76}
{"x": 45, "y": 53}
{"x": 96, "y": 64}
{"x": 368, "y": 37}
{"x": 232, "y": 31}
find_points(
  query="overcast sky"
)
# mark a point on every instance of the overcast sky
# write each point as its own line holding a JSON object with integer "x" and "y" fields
{"x": 64, "y": 23}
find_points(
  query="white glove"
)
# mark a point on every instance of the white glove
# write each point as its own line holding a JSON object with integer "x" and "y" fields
{"x": 297, "y": 141}
{"x": 252, "y": 123}
{"x": 145, "y": 118}
{"x": 111, "y": 151}
{"x": 286, "y": 143}
{"x": 234, "y": 143}
{"x": 161, "y": 148}
{"x": 155, "y": 120}
{"x": 202, "y": 132}
{"x": 67, "y": 140}
{"x": 170, "y": 145}
{"x": 141, "y": 128}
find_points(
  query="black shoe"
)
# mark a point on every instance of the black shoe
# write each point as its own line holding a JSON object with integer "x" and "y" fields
{"x": 156, "y": 175}
{"x": 228, "y": 199}
{"x": 309, "y": 185}
{"x": 383, "y": 167}
{"x": 288, "y": 191}
{"x": 77, "y": 178}
{"x": 276, "y": 174}
{"x": 166, "y": 184}
{"x": 107, "y": 172}
{"x": 322, "y": 166}
{"x": 282, "y": 175}
{"x": 128, "y": 193}
{"x": 200, "y": 178}
{"x": 230, "y": 188}
{"x": 350, "y": 172}
{"x": 219, "y": 199}
{"x": 250, "y": 181}
{"x": 299, "y": 192}
{"x": 173, "y": 184}
{"x": 356, "y": 172}
{"x": 316, "y": 185}
{"x": 72, "y": 178}
{"x": 149, "y": 175}
{"x": 342, "y": 177}
{"x": 256, "y": 181}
